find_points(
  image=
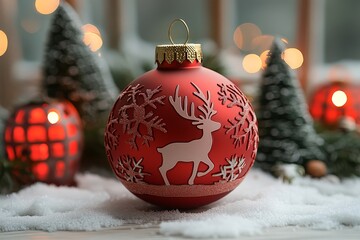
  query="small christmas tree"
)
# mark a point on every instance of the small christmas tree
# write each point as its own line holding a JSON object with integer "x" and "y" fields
{"x": 285, "y": 127}
{"x": 75, "y": 73}
{"x": 72, "y": 71}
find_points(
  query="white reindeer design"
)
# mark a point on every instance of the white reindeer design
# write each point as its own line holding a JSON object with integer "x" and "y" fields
{"x": 197, "y": 150}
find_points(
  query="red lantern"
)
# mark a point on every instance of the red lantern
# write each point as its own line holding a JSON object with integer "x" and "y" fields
{"x": 334, "y": 101}
{"x": 181, "y": 136}
{"x": 47, "y": 135}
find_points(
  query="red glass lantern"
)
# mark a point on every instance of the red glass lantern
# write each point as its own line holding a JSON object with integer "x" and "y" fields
{"x": 47, "y": 135}
{"x": 334, "y": 101}
{"x": 181, "y": 135}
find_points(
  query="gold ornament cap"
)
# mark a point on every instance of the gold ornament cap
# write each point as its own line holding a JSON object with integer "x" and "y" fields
{"x": 178, "y": 52}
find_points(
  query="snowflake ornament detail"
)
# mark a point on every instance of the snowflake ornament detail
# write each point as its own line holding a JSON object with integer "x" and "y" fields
{"x": 136, "y": 113}
{"x": 241, "y": 133}
{"x": 111, "y": 140}
{"x": 130, "y": 169}
{"x": 231, "y": 171}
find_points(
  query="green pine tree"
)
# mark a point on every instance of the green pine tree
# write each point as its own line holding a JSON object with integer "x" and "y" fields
{"x": 285, "y": 127}
{"x": 14, "y": 175}
{"x": 72, "y": 71}
{"x": 342, "y": 147}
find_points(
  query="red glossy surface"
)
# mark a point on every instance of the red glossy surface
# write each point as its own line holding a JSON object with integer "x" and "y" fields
{"x": 151, "y": 139}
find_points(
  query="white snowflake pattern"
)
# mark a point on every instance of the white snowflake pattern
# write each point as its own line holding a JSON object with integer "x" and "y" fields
{"x": 137, "y": 113}
{"x": 111, "y": 139}
{"x": 130, "y": 169}
{"x": 231, "y": 171}
{"x": 233, "y": 97}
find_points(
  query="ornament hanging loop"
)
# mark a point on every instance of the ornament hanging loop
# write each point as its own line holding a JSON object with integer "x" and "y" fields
{"x": 170, "y": 28}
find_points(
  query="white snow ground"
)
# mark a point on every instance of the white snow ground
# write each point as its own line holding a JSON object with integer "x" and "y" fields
{"x": 259, "y": 203}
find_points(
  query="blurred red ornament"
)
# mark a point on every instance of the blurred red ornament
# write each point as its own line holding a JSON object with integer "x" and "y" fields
{"x": 47, "y": 135}
{"x": 181, "y": 135}
{"x": 334, "y": 101}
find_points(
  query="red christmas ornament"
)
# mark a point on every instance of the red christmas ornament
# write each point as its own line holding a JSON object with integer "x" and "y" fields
{"x": 334, "y": 101}
{"x": 181, "y": 135}
{"x": 47, "y": 135}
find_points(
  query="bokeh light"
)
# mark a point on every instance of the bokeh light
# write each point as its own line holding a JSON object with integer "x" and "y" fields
{"x": 3, "y": 43}
{"x": 262, "y": 43}
{"x": 46, "y": 6}
{"x": 91, "y": 28}
{"x": 264, "y": 57}
{"x": 252, "y": 63}
{"x": 53, "y": 117}
{"x": 293, "y": 57}
{"x": 244, "y": 35}
{"x": 339, "y": 98}
{"x": 92, "y": 37}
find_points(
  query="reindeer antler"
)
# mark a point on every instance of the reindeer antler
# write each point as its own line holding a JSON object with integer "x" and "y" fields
{"x": 182, "y": 109}
{"x": 208, "y": 108}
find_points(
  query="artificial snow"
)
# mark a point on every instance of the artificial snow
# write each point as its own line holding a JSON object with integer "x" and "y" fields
{"x": 260, "y": 202}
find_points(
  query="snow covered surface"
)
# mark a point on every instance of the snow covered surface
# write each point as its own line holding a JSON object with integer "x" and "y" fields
{"x": 260, "y": 202}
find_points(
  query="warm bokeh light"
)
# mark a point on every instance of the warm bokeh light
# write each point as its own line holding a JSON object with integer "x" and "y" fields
{"x": 244, "y": 35}
{"x": 293, "y": 57}
{"x": 3, "y": 43}
{"x": 46, "y": 6}
{"x": 263, "y": 57}
{"x": 339, "y": 98}
{"x": 262, "y": 43}
{"x": 92, "y": 37}
{"x": 53, "y": 117}
{"x": 93, "y": 41}
{"x": 252, "y": 63}
{"x": 238, "y": 37}
{"x": 91, "y": 28}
